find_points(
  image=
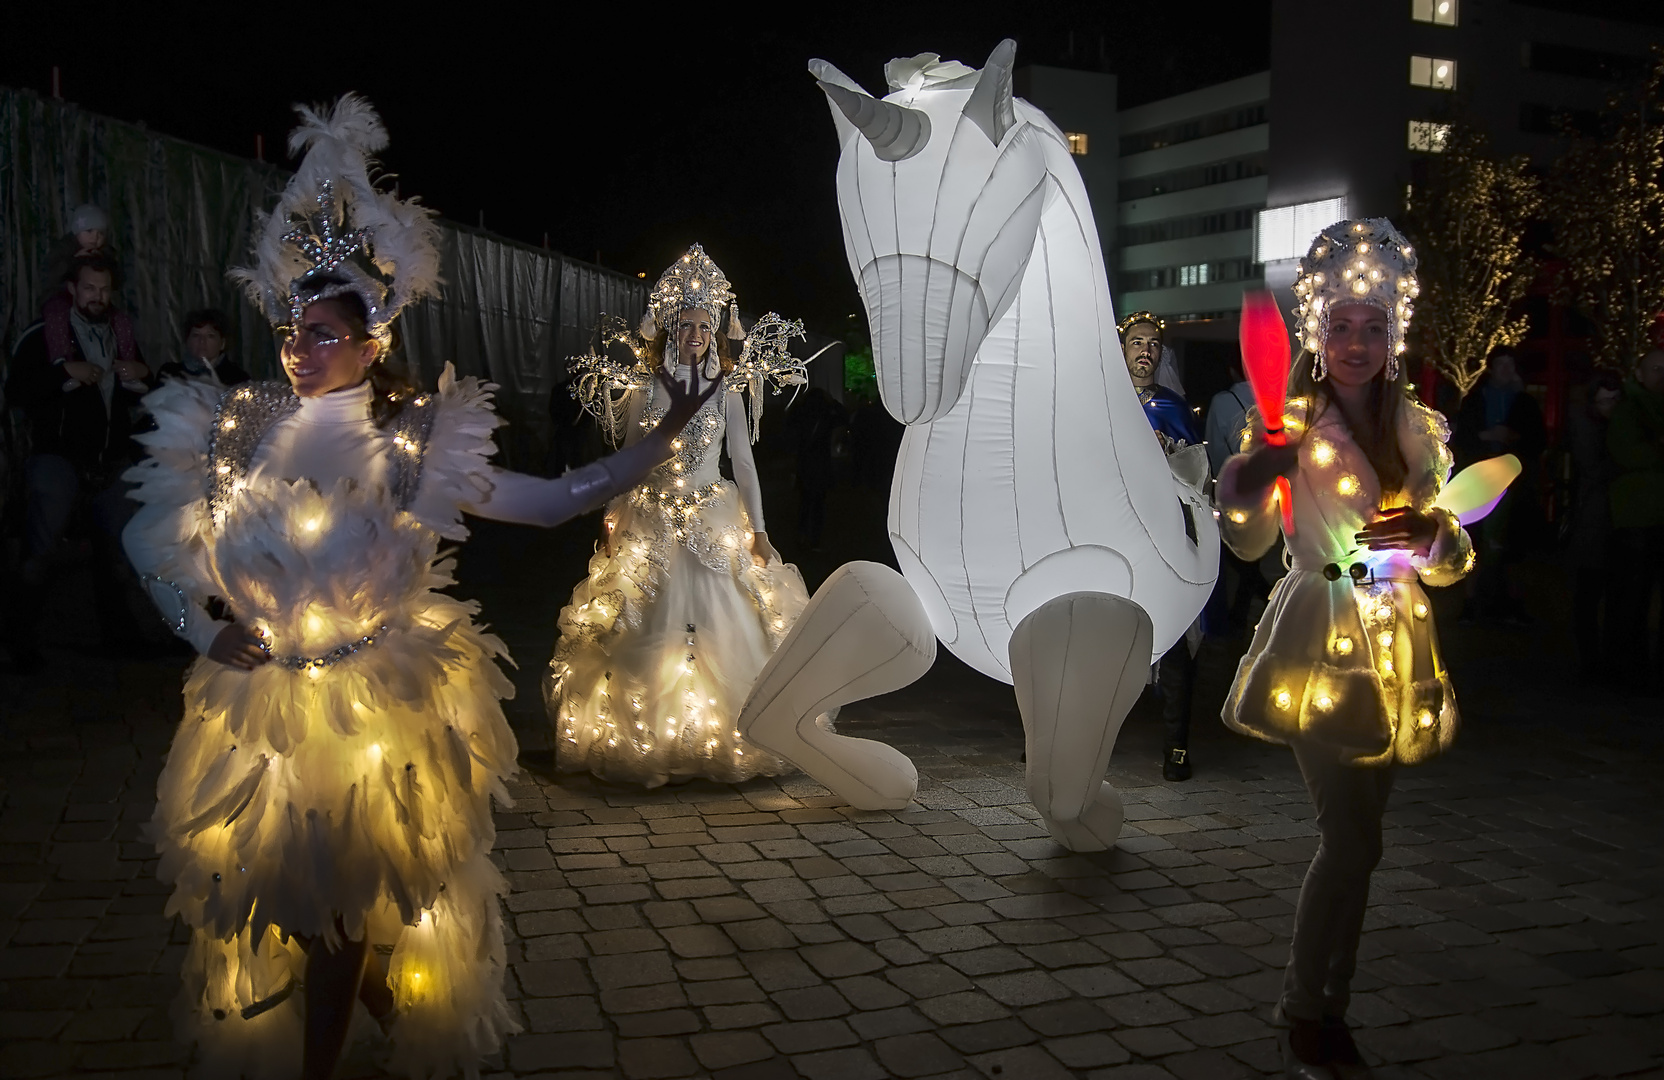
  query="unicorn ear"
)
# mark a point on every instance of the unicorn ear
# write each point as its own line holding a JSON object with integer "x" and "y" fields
{"x": 990, "y": 105}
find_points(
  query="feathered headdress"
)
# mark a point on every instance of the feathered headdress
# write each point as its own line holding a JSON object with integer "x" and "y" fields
{"x": 334, "y": 232}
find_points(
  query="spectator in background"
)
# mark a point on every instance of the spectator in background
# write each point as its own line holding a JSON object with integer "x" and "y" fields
{"x": 80, "y": 412}
{"x": 89, "y": 236}
{"x": 814, "y": 419}
{"x": 204, "y": 356}
{"x": 1635, "y": 438}
{"x": 1175, "y": 428}
{"x": 1499, "y": 417}
{"x": 1227, "y": 416}
{"x": 1589, "y": 540}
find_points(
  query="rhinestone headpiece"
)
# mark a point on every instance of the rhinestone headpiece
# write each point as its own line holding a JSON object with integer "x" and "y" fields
{"x": 693, "y": 281}
{"x": 334, "y": 231}
{"x": 1359, "y": 261}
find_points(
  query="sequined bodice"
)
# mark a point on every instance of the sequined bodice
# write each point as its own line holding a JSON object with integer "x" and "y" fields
{"x": 696, "y": 452}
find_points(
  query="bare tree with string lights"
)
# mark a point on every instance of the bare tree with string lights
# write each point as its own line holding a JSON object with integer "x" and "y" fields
{"x": 1467, "y": 219}
{"x": 1606, "y": 200}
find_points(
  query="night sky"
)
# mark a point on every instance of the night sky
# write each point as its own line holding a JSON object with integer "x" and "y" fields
{"x": 627, "y": 134}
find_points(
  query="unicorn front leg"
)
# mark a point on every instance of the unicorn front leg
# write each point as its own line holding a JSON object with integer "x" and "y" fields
{"x": 1078, "y": 663}
{"x": 864, "y": 633}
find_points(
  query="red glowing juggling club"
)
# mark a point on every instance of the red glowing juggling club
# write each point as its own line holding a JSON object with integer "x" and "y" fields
{"x": 1265, "y": 358}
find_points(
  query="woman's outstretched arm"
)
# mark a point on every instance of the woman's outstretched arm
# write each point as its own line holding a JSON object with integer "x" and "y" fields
{"x": 533, "y": 500}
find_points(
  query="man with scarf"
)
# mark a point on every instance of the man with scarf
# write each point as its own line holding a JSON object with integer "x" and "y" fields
{"x": 79, "y": 411}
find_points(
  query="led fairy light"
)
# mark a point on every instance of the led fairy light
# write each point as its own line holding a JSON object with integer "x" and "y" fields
{"x": 1367, "y": 261}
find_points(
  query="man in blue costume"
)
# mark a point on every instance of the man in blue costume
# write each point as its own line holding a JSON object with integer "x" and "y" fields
{"x": 1168, "y": 411}
{"x": 1175, "y": 425}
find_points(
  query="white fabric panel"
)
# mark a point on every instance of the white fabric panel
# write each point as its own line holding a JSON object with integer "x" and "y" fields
{"x": 1080, "y": 659}
{"x": 864, "y": 633}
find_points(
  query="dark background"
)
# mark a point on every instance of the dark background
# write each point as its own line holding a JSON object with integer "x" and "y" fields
{"x": 629, "y": 134}
{"x": 621, "y": 135}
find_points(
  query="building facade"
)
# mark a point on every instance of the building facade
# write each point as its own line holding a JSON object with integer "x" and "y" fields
{"x": 1197, "y": 202}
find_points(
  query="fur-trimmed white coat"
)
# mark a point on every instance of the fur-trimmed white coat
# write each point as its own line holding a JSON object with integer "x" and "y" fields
{"x": 1348, "y": 662}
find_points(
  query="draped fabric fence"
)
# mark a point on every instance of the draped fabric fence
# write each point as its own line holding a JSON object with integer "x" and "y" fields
{"x": 182, "y": 214}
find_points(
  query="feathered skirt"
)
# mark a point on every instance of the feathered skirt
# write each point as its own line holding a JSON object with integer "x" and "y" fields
{"x": 347, "y": 798}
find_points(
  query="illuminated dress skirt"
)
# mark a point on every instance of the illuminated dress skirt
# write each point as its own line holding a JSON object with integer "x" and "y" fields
{"x": 661, "y": 643}
{"x": 349, "y": 793}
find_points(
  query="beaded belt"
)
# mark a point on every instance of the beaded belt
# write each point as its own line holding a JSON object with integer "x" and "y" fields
{"x": 1360, "y": 572}
{"x": 328, "y": 659}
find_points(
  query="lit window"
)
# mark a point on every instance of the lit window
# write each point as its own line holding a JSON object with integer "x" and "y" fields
{"x": 1430, "y": 71}
{"x": 1287, "y": 231}
{"x": 1428, "y": 136}
{"x": 1077, "y": 142}
{"x": 1195, "y": 274}
{"x": 1438, "y": 12}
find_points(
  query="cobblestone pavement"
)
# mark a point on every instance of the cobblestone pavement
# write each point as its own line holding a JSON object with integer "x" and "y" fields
{"x": 763, "y": 931}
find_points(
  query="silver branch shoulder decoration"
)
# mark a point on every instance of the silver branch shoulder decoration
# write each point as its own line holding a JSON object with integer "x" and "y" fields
{"x": 602, "y": 379}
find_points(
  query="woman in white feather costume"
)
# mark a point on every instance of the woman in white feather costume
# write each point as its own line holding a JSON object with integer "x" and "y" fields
{"x": 328, "y": 796}
{"x": 687, "y": 600}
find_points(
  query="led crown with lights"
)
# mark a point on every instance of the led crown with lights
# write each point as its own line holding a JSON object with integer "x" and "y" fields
{"x": 1360, "y": 261}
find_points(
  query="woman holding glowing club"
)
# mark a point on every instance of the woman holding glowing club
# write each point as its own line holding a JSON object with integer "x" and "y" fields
{"x": 1345, "y": 666}
{"x": 326, "y": 802}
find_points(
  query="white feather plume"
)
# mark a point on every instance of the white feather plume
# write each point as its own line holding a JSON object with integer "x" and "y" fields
{"x": 403, "y": 241}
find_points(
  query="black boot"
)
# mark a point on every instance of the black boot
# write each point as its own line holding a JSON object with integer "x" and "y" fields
{"x": 1176, "y": 765}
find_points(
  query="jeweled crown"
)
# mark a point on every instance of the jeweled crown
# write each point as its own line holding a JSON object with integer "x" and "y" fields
{"x": 693, "y": 281}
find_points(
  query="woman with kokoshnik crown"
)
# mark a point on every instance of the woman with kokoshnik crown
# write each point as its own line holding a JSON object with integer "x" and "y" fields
{"x": 1345, "y": 666}
{"x": 327, "y": 798}
{"x": 686, "y": 599}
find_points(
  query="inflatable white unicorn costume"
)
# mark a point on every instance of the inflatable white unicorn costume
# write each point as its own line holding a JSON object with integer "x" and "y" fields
{"x": 1033, "y": 513}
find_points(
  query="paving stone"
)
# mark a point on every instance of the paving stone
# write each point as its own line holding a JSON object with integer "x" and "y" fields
{"x": 811, "y": 1003}
{"x": 981, "y": 1038}
{"x": 563, "y": 1014}
{"x": 967, "y": 1007}
{"x": 842, "y": 958}
{"x": 652, "y": 1058}
{"x": 779, "y": 970}
{"x": 810, "y": 1035}
{"x": 1068, "y": 1017}
{"x": 634, "y": 969}
{"x": 1091, "y": 1051}
{"x": 916, "y": 1055}
{"x": 928, "y": 980}
{"x": 639, "y": 999}
{"x": 650, "y": 1024}
{"x": 1023, "y": 988}
{"x": 854, "y": 1063}
{"x": 1028, "y": 1062}
{"x": 529, "y": 1053}
{"x": 723, "y": 1017}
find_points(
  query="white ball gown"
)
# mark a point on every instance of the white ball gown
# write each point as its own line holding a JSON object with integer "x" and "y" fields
{"x": 661, "y": 642}
{"x": 352, "y": 776}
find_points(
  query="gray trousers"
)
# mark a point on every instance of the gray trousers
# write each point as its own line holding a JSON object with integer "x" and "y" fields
{"x": 1350, "y": 802}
